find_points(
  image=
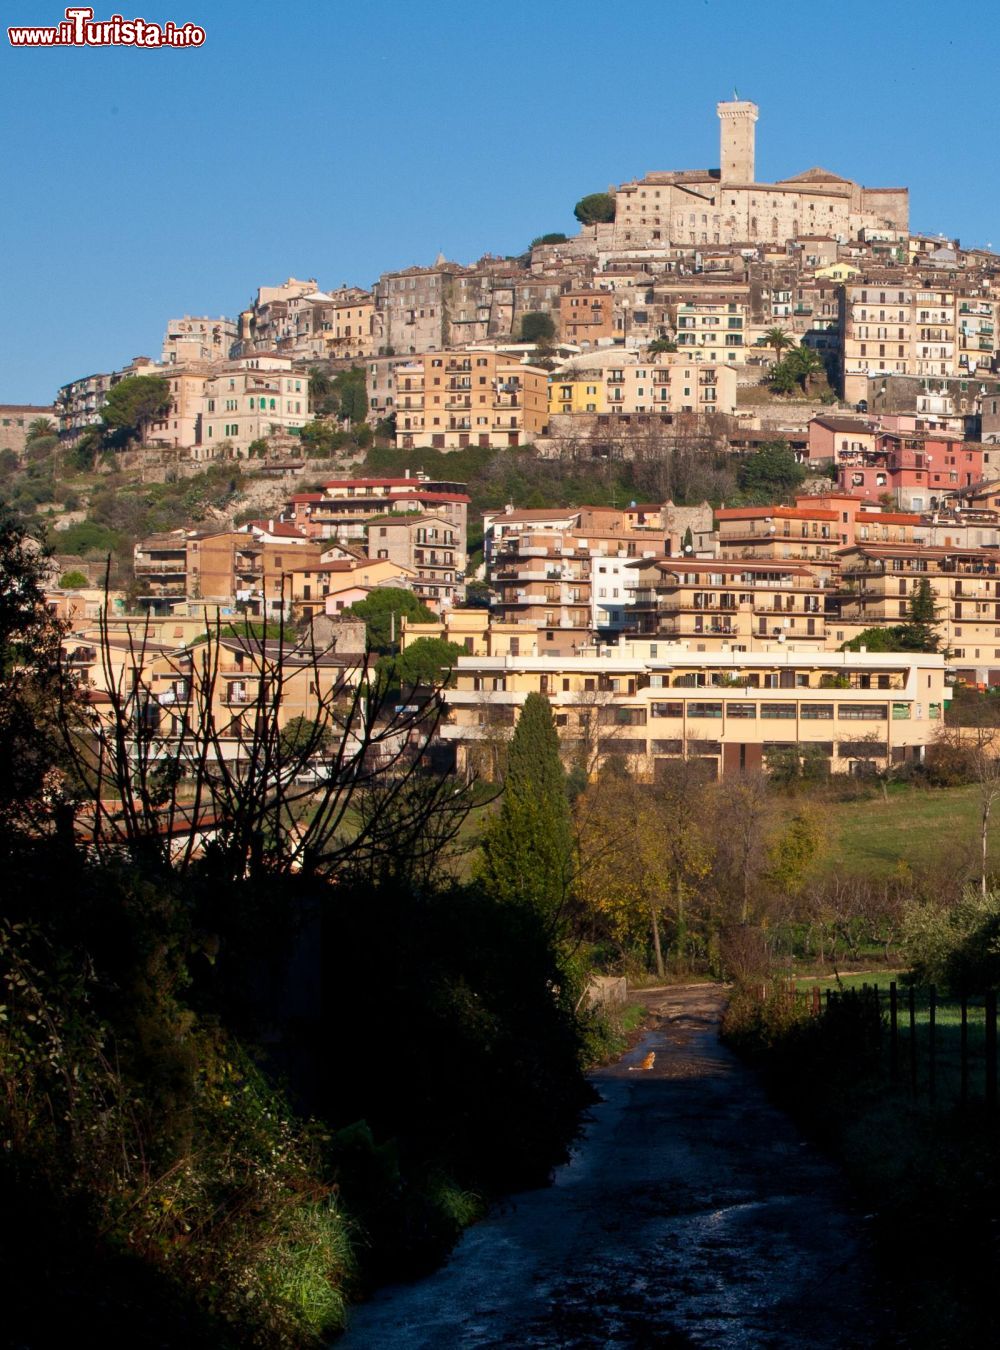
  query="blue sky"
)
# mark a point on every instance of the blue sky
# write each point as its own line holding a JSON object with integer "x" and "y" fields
{"x": 336, "y": 140}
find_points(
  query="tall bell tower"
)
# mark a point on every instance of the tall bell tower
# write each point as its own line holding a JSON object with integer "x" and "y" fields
{"x": 737, "y": 119}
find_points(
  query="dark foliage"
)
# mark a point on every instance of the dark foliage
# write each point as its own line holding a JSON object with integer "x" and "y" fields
{"x": 463, "y": 1057}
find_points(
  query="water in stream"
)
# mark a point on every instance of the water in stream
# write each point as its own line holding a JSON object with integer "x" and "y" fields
{"x": 692, "y": 1214}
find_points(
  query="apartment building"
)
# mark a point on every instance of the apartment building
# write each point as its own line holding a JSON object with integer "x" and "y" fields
{"x": 228, "y": 568}
{"x": 569, "y": 578}
{"x": 330, "y": 324}
{"x": 672, "y": 383}
{"x": 346, "y": 505}
{"x": 476, "y": 631}
{"x": 976, "y": 333}
{"x": 409, "y": 308}
{"x": 656, "y": 702}
{"x": 916, "y": 469}
{"x": 198, "y": 339}
{"x": 840, "y": 440}
{"x": 713, "y": 330}
{"x": 78, "y": 404}
{"x": 577, "y": 392}
{"x": 250, "y": 399}
{"x": 336, "y": 582}
{"x": 185, "y": 693}
{"x": 268, "y": 322}
{"x": 181, "y": 426}
{"x": 711, "y": 604}
{"x": 381, "y": 386}
{"x": 430, "y": 547}
{"x": 449, "y": 400}
{"x": 899, "y": 323}
{"x": 812, "y": 532}
{"x": 587, "y": 316}
{"x": 878, "y": 582}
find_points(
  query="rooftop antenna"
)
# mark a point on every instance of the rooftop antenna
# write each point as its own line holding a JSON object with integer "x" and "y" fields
{"x": 736, "y": 97}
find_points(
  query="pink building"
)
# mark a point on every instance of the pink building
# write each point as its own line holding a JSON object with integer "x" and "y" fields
{"x": 915, "y": 469}
{"x": 840, "y": 439}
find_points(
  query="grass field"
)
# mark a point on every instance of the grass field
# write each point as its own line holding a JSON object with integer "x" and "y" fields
{"x": 924, "y": 828}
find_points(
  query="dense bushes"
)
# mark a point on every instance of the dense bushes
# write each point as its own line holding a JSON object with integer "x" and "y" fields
{"x": 127, "y": 1107}
{"x": 434, "y": 1059}
{"x": 956, "y": 947}
{"x": 463, "y": 1057}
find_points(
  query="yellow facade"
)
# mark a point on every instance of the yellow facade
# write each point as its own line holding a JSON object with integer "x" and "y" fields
{"x": 580, "y": 394}
{"x": 652, "y": 702}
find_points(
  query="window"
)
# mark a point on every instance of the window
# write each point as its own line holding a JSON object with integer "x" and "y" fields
{"x": 622, "y": 717}
{"x": 777, "y": 710}
{"x": 704, "y": 709}
{"x": 666, "y": 710}
{"x": 861, "y": 712}
{"x": 817, "y": 712}
{"x": 741, "y": 710}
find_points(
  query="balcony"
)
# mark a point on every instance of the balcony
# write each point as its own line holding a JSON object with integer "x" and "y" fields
{"x": 165, "y": 593}
{"x": 178, "y": 567}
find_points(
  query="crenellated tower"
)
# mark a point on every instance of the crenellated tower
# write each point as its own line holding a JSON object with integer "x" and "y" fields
{"x": 737, "y": 118}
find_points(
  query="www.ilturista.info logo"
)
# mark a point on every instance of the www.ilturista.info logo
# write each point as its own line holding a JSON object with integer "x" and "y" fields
{"x": 79, "y": 29}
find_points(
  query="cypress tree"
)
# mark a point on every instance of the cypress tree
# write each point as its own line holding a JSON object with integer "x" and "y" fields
{"x": 920, "y": 632}
{"x": 528, "y": 847}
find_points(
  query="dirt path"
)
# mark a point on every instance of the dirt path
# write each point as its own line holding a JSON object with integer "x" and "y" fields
{"x": 692, "y": 1214}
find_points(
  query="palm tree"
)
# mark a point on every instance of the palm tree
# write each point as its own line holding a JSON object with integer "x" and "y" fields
{"x": 41, "y": 426}
{"x": 778, "y": 340}
{"x": 807, "y": 366}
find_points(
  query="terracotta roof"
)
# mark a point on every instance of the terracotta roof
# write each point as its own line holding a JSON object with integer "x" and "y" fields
{"x": 715, "y": 565}
{"x": 779, "y": 512}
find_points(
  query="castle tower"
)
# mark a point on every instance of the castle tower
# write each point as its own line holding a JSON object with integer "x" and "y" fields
{"x": 737, "y": 140}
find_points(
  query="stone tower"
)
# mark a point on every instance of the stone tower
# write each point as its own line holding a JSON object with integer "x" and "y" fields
{"x": 737, "y": 140}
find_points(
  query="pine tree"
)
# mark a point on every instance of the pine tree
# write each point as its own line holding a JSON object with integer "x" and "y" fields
{"x": 921, "y": 627}
{"x": 527, "y": 849}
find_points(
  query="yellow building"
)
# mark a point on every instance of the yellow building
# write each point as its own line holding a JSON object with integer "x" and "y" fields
{"x": 578, "y": 393}
{"x": 652, "y": 702}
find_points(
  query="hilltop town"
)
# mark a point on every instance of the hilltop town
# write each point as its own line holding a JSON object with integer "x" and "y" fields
{"x": 536, "y": 711}
{"x": 815, "y": 388}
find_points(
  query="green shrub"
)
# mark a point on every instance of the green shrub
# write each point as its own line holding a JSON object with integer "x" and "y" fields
{"x": 958, "y": 946}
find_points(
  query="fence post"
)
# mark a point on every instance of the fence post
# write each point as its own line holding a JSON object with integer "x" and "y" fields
{"x": 912, "y": 999}
{"x": 815, "y": 1001}
{"x": 991, "y": 1050}
{"x": 931, "y": 1080}
{"x": 893, "y": 1033}
{"x": 964, "y": 1052}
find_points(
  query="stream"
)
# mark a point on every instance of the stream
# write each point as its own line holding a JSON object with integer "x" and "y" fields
{"x": 692, "y": 1213}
